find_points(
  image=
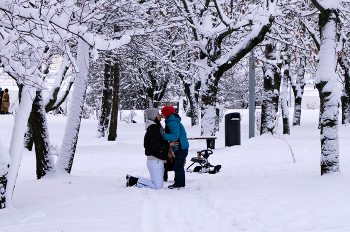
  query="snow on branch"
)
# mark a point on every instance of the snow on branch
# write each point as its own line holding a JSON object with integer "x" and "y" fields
{"x": 257, "y": 29}
{"x": 224, "y": 19}
{"x": 327, "y": 4}
{"x": 313, "y": 34}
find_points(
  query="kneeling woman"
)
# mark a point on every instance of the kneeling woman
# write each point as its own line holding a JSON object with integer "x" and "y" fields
{"x": 156, "y": 150}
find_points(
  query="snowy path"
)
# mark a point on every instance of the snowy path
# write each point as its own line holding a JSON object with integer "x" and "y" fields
{"x": 259, "y": 188}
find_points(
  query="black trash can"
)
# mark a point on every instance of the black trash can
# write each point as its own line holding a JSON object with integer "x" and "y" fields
{"x": 232, "y": 129}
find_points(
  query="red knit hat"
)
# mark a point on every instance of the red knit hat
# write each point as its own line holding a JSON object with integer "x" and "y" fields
{"x": 168, "y": 110}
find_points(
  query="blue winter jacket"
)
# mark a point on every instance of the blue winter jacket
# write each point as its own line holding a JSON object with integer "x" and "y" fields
{"x": 174, "y": 130}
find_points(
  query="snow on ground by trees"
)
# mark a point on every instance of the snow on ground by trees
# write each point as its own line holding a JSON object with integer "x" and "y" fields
{"x": 258, "y": 189}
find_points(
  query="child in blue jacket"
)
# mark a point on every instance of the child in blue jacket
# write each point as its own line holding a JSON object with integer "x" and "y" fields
{"x": 175, "y": 131}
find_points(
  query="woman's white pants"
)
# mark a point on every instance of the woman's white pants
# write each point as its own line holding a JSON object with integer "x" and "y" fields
{"x": 156, "y": 171}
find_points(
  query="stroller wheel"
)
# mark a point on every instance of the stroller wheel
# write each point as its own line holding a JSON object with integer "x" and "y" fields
{"x": 215, "y": 170}
{"x": 197, "y": 169}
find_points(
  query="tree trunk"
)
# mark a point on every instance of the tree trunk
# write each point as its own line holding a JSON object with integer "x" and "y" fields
{"x": 326, "y": 83}
{"x": 297, "y": 110}
{"x": 284, "y": 99}
{"x": 106, "y": 101}
{"x": 51, "y": 101}
{"x": 4, "y": 168}
{"x": 44, "y": 159}
{"x": 345, "y": 102}
{"x": 268, "y": 109}
{"x": 345, "y": 99}
{"x": 28, "y": 137}
{"x": 298, "y": 89}
{"x": 272, "y": 82}
{"x": 50, "y": 104}
{"x": 115, "y": 103}
{"x": 321, "y": 112}
{"x": 70, "y": 138}
{"x": 156, "y": 89}
{"x": 192, "y": 94}
{"x": 208, "y": 107}
{"x": 37, "y": 132}
{"x": 16, "y": 145}
{"x": 3, "y": 182}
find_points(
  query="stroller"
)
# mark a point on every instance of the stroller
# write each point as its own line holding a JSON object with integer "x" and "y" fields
{"x": 204, "y": 165}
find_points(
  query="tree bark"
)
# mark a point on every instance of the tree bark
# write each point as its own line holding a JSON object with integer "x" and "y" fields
{"x": 52, "y": 99}
{"x": 16, "y": 145}
{"x": 106, "y": 101}
{"x": 345, "y": 103}
{"x": 3, "y": 182}
{"x": 28, "y": 137}
{"x": 284, "y": 99}
{"x": 115, "y": 103}
{"x": 298, "y": 89}
{"x": 50, "y": 104}
{"x": 156, "y": 89}
{"x": 326, "y": 83}
{"x": 71, "y": 134}
{"x": 4, "y": 168}
{"x": 345, "y": 98}
{"x": 272, "y": 82}
{"x": 37, "y": 132}
{"x": 192, "y": 94}
{"x": 44, "y": 159}
{"x": 208, "y": 108}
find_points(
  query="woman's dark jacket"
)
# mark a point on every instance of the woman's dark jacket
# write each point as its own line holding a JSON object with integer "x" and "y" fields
{"x": 154, "y": 143}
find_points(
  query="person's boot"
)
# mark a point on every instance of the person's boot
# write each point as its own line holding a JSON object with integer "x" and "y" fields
{"x": 175, "y": 186}
{"x": 131, "y": 181}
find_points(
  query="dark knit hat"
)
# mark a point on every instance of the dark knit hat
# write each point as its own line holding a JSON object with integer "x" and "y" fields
{"x": 168, "y": 110}
{"x": 151, "y": 114}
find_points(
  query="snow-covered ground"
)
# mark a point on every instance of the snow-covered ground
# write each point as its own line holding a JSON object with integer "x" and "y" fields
{"x": 259, "y": 188}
